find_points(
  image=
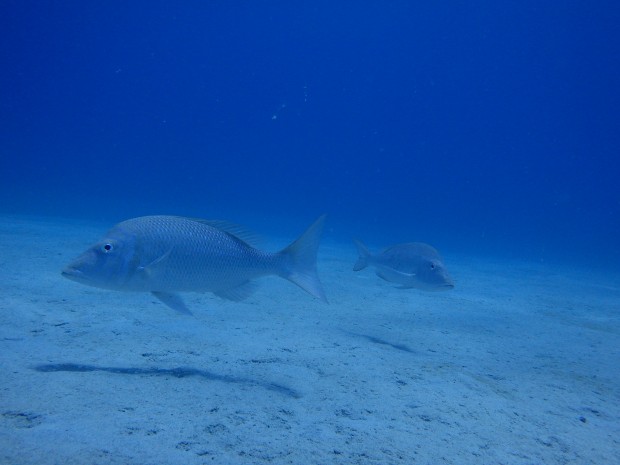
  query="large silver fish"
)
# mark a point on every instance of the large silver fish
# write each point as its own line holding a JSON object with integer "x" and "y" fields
{"x": 412, "y": 265}
{"x": 165, "y": 255}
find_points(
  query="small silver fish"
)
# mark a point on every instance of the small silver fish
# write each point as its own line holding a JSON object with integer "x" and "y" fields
{"x": 412, "y": 265}
{"x": 165, "y": 255}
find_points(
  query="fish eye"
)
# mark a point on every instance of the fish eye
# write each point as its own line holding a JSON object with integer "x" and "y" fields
{"x": 107, "y": 248}
{"x": 432, "y": 266}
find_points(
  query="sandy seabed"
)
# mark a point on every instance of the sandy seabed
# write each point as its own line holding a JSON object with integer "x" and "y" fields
{"x": 519, "y": 364}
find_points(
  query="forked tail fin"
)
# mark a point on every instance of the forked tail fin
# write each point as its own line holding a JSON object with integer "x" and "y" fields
{"x": 364, "y": 255}
{"x": 300, "y": 260}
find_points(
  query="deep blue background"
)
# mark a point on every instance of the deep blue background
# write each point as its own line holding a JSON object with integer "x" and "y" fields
{"x": 481, "y": 127}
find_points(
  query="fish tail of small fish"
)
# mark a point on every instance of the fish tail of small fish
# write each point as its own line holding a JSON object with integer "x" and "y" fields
{"x": 364, "y": 256}
{"x": 301, "y": 260}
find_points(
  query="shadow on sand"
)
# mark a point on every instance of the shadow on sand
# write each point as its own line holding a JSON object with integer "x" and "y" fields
{"x": 180, "y": 372}
{"x": 377, "y": 340}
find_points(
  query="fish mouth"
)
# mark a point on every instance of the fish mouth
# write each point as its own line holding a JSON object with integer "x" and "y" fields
{"x": 73, "y": 274}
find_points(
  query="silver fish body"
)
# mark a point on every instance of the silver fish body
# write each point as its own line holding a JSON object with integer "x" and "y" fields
{"x": 169, "y": 254}
{"x": 412, "y": 265}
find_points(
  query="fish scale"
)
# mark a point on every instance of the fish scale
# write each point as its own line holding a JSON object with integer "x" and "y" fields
{"x": 208, "y": 260}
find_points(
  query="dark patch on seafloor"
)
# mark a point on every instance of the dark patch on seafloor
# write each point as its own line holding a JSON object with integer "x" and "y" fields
{"x": 377, "y": 340}
{"x": 22, "y": 419}
{"x": 179, "y": 372}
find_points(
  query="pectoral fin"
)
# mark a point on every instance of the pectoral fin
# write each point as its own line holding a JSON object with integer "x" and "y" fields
{"x": 150, "y": 269}
{"x": 395, "y": 276}
{"x": 174, "y": 301}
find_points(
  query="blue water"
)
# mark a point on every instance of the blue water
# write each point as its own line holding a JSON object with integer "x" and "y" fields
{"x": 489, "y": 129}
{"x": 484, "y": 127}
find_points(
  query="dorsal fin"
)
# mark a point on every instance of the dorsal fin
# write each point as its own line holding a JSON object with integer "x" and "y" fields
{"x": 233, "y": 229}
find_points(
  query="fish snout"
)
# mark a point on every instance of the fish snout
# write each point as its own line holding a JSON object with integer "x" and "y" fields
{"x": 81, "y": 268}
{"x": 71, "y": 272}
{"x": 447, "y": 283}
